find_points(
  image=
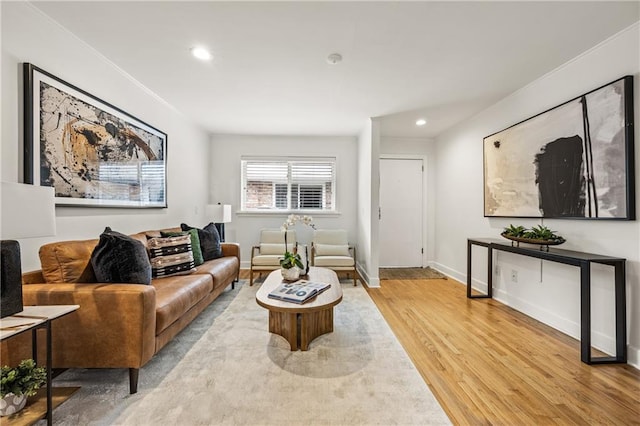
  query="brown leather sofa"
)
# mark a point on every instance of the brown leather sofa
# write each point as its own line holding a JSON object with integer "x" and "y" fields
{"x": 117, "y": 325}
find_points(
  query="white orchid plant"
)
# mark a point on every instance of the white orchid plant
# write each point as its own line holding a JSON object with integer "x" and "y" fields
{"x": 293, "y": 259}
{"x": 292, "y": 219}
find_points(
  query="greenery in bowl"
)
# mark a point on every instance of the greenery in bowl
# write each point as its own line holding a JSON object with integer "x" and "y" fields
{"x": 539, "y": 233}
{"x": 25, "y": 379}
{"x": 290, "y": 260}
{"x": 515, "y": 231}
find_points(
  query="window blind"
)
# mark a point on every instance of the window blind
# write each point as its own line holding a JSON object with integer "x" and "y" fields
{"x": 288, "y": 184}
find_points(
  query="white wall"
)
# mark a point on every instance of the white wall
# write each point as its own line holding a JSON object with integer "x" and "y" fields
{"x": 422, "y": 148}
{"x": 548, "y": 291}
{"x": 30, "y": 36}
{"x": 225, "y": 180}
{"x": 368, "y": 165}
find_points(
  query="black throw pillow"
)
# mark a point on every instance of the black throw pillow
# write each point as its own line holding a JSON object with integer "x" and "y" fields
{"x": 209, "y": 240}
{"x": 119, "y": 258}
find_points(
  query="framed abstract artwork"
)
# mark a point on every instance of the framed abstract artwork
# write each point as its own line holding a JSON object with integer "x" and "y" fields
{"x": 91, "y": 152}
{"x": 573, "y": 161}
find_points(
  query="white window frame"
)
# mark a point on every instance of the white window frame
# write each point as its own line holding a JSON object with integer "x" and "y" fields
{"x": 290, "y": 161}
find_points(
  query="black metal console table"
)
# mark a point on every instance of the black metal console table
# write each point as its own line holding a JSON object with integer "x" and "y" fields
{"x": 575, "y": 258}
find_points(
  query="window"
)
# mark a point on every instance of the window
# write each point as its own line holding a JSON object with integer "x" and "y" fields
{"x": 288, "y": 184}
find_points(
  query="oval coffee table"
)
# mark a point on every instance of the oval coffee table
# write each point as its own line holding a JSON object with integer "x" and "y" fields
{"x": 300, "y": 324}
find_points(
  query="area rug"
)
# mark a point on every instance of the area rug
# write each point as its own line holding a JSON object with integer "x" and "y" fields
{"x": 226, "y": 368}
{"x": 427, "y": 273}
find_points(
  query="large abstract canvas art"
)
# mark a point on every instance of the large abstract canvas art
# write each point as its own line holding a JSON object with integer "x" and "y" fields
{"x": 91, "y": 152}
{"x": 572, "y": 161}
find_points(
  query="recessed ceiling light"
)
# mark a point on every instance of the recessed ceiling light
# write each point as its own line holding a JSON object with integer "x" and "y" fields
{"x": 201, "y": 53}
{"x": 421, "y": 122}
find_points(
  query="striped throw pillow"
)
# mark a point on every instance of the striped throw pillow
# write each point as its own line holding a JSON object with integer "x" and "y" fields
{"x": 171, "y": 256}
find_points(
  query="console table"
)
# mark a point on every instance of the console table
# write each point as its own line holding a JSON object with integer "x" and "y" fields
{"x": 32, "y": 318}
{"x": 574, "y": 258}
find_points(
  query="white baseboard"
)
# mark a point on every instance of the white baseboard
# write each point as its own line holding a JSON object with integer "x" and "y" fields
{"x": 370, "y": 281}
{"x": 633, "y": 356}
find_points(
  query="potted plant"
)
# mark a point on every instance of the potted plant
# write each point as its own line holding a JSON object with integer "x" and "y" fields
{"x": 291, "y": 265}
{"x": 18, "y": 383}
{"x": 294, "y": 260}
{"x": 540, "y": 234}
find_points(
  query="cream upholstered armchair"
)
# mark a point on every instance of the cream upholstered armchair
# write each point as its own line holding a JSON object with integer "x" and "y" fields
{"x": 330, "y": 249}
{"x": 266, "y": 256}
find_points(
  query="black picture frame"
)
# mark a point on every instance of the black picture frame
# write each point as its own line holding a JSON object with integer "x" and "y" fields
{"x": 575, "y": 160}
{"x": 93, "y": 153}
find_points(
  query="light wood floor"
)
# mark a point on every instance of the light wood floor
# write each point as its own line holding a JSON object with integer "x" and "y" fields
{"x": 489, "y": 364}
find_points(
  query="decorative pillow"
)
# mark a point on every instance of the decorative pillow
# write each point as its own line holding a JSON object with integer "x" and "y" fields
{"x": 195, "y": 243}
{"x": 209, "y": 240}
{"x": 118, "y": 258}
{"x": 331, "y": 250}
{"x": 171, "y": 256}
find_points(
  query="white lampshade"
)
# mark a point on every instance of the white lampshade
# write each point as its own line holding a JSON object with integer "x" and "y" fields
{"x": 27, "y": 211}
{"x": 219, "y": 213}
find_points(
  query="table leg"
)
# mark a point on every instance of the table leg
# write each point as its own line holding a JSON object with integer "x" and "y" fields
{"x": 585, "y": 312}
{"x": 621, "y": 313}
{"x": 489, "y": 272}
{"x": 49, "y": 378}
{"x": 469, "y": 246}
{"x": 285, "y": 325}
{"x": 314, "y": 324}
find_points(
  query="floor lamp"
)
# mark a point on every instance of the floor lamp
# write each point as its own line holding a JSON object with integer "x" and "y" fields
{"x": 27, "y": 211}
{"x": 219, "y": 214}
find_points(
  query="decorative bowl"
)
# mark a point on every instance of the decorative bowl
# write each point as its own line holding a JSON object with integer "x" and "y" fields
{"x": 553, "y": 242}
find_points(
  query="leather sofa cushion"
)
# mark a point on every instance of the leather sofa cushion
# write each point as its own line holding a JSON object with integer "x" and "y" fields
{"x": 221, "y": 270}
{"x": 68, "y": 261}
{"x": 176, "y": 295}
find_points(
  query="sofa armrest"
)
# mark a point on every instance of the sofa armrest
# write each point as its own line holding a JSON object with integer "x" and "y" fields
{"x": 113, "y": 328}
{"x": 33, "y": 277}
{"x": 231, "y": 249}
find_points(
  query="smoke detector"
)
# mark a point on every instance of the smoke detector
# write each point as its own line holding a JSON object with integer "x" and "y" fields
{"x": 334, "y": 58}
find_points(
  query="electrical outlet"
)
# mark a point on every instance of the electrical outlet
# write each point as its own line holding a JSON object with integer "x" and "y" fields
{"x": 497, "y": 271}
{"x": 514, "y": 276}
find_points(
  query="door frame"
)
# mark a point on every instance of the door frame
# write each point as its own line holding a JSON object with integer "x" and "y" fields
{"x": 425, "y": 222}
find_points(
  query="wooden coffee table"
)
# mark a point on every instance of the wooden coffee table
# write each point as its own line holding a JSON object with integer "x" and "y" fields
{"x": 300, "y": 324}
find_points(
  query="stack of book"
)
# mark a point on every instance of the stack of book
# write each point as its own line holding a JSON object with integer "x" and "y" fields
{"x": 299, "y": 291}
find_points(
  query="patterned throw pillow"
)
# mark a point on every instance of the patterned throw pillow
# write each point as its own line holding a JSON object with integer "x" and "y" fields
{"x": 195, "y": 243}
{"x": 171, "y": 256}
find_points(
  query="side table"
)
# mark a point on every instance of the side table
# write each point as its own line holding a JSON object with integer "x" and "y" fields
{"x": 33, "y": 318}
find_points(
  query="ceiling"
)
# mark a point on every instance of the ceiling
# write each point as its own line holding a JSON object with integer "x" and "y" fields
{"x": 442, "y": 61}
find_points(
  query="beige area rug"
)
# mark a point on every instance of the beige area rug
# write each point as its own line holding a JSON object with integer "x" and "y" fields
{"x": 226, "y": 368}
{"x": 427, "y": 273}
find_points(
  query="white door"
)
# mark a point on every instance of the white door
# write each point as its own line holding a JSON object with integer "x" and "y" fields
{"x": 400, "y": 213}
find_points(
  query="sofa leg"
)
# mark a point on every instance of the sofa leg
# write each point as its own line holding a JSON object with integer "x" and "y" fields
{"x": 133, "y": 380}
{"x": 250, "y": 277}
